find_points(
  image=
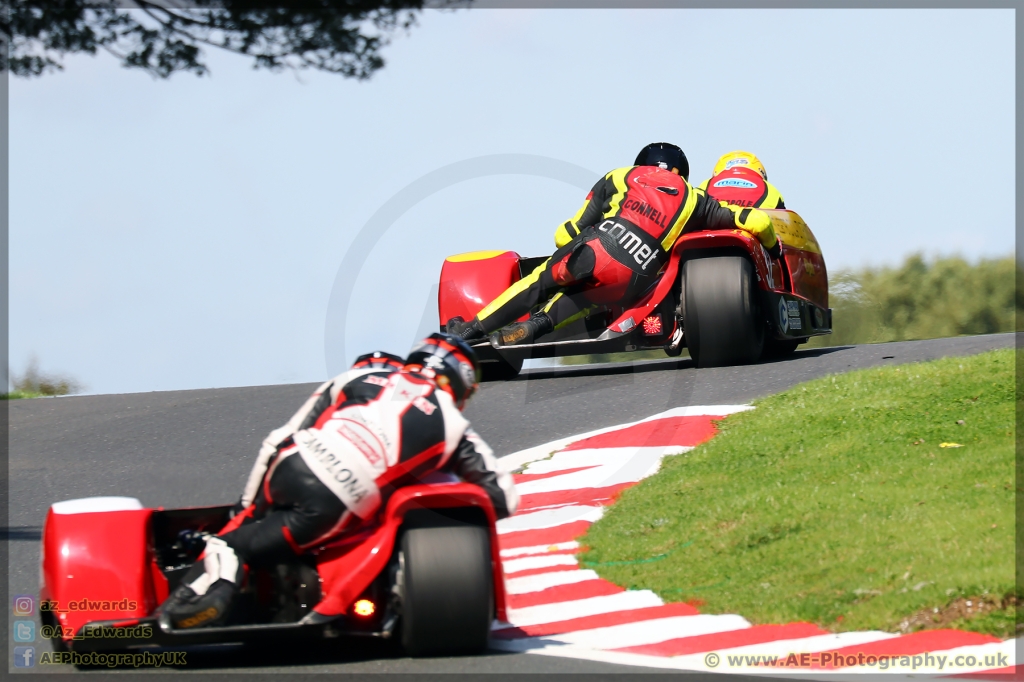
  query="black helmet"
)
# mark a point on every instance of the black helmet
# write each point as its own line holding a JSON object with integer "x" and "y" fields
{"x": 664, "y": 155}
{"x": 454, "y": 364}
{"x": 379, "y": 360}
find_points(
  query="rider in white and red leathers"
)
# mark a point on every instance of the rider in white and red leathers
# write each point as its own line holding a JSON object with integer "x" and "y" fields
{"x": 329, "y": 469}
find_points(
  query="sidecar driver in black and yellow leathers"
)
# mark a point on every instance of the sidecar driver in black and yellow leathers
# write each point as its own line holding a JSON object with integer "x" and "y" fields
{"x": 615, "y": 246}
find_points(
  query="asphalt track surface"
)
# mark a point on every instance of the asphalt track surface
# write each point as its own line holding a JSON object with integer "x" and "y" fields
{"x": 188, "y": 448}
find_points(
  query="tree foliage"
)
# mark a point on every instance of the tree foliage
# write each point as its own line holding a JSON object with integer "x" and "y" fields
{"x": 34, "y": 383}
{"x": 920, "y": 299}
{"x": 923, "y": 299}
{"x": 343, "y": 37}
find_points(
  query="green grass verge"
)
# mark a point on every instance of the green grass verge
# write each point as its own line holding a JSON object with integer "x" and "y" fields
{"x": 834, "y": 503}
{"x": 18, "y": 395}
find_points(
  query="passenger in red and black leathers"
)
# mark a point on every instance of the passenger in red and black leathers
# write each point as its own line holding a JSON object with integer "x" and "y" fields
{"x": 614, "y": 247}
{"x": 739, "y": 179}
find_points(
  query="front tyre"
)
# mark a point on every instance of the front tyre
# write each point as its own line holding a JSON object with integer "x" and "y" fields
{"x": 723, "y": 322}
{"x": 446, "y": 590}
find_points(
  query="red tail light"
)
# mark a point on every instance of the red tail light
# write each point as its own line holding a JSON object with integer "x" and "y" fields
{"x": 652, "y": 325}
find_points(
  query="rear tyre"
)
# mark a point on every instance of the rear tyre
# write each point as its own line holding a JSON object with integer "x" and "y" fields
{"x": 723, "y": 321}
{"x": 446, "y": 590}
{"x": 502, "y": 370}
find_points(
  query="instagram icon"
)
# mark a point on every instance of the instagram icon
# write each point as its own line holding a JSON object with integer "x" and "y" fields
{"x": 24, "y": 605}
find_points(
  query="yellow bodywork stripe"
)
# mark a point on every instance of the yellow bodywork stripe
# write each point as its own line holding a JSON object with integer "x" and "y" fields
{"x": 794, "y": 231}
{"x": 509, "y": 293}
{"x": 473, "y": 255}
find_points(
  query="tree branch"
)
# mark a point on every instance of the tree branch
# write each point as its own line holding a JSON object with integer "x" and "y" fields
{"x": 319, "y": 34}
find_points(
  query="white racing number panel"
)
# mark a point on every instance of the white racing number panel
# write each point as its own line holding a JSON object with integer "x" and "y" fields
{"x": 558, "y": 608}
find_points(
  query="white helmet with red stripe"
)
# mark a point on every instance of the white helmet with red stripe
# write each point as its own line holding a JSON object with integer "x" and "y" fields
{"x": 450, "y": 362}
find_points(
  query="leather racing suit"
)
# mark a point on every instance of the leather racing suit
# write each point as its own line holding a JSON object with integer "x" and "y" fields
{"x": 355, "y": 440}
{"x": 332, "y": 466}
{"x": 740, "y": 186}
{"x": 612, "y": 250}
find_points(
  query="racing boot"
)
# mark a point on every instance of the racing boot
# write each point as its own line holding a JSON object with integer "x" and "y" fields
{"x": 467, "y": 331}
{"x": 206, "y": 593}
{"x": 519, "y": 333}
{"x": 186, "y": 609}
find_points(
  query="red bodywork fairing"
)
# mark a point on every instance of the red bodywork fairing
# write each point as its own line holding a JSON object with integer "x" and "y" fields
{"x": 470, "y": 282}
{"x": 103, "y": 568}
{"x": 95, "y": 557}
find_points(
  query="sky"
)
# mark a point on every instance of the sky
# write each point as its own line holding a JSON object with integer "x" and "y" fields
{"x": 189, "y": 233}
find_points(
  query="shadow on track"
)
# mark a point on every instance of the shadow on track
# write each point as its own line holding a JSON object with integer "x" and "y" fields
{"x": 15, "y": 533}
{"x": 644, "y": 366}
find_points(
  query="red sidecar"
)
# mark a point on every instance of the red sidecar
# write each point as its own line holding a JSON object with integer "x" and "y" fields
{"x": 427, "y": 571}
{"x": 720, "y": 295}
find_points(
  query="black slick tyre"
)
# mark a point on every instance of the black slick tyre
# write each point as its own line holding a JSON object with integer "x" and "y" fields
{"x": 722, "y": 320}
{"x": 446, "y": 590}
